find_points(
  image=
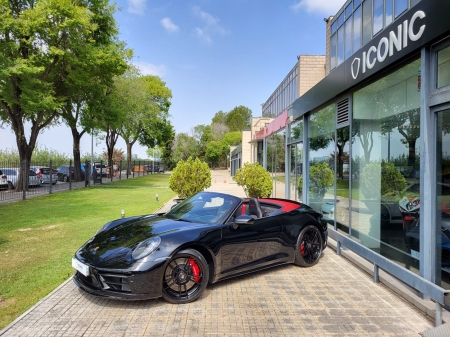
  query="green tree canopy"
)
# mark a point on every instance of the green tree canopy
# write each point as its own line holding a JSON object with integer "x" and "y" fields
{"x": 48, "y": 51}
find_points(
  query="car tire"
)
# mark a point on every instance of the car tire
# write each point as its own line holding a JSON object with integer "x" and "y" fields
{"x": 10, "y": 185}
{"x": 309, "y": 246}
{"x": 65, "y": 178}
{"x": 185, "y": 277}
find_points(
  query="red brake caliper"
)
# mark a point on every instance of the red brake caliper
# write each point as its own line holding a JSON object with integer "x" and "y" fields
{"x": 302, "y": 249}
{"x": 195, "y": 269}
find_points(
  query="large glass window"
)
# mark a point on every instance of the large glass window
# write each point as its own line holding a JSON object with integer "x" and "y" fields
{"x": 357, "y": 29}
{"x": 400, "y": 7}
{"x": 348, "y": 38}
{"x": 443, "y": 67}
{"x": 276, "y": 162}
{"x": 333, "y": 51}
{"x": 296, "y": 171}
{"x": 342, "y": 179}
{"x": 386, "y": 164}
{"x": 340, "y": 45}
{"x": 378, "y": 12}
{"x": 321, "y": 159}
{"x": 388, "y": 15}
{"x": 366, "y": 21}
{"x": 442, "y": 204}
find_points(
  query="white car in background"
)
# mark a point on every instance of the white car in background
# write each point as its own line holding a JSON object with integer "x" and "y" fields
{"x": 3, "y": 181}
{"x": 12, "y": 176}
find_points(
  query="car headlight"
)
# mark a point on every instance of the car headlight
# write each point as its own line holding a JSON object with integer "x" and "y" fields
{"x": 146, "y": 248}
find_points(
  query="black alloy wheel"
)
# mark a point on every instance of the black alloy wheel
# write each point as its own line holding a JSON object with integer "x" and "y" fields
{"x": 65, "y": 178}
{"x": 309, "y": 246}
{"x": 10, "y": 185}
{"x": 185, "y": 277}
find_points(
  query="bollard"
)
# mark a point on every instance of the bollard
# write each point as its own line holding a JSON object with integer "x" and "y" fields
{"x": 156, "y": 196}
{"x": 123, "y": 214}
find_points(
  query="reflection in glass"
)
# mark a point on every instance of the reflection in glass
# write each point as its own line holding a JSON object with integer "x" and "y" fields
{"x": 388, "y": 12}
{"x": 321, "y": 160}
{"x": 378, "y": 11}
{"x": 296, "y": 151}
{"x": 443, "y": 201}
{"x": 386, "y": 162}
{"x": 333, "y": 51}
{"x": 348, "y": 11}
{"x": 413, "y": 2}
{"x": 400, "y": 7}
{"x": 357, "y": 29}
{"x": 366, "y": 21}
{"x": 443, "y": 67}
{"x": 340, "y": 20}
{"x": 342, "y": 179}
{"x": 340, "y": 45}
{"x": 348, "y": 38}
{"x": 276, "y": 162}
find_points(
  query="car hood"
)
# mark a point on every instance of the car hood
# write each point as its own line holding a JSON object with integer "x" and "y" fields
{"x": 112, "y": 247}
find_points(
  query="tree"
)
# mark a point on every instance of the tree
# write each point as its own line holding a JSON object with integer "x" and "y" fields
{"x": 48, "y": 49}
{"x": 215, "y": 150}
{"x": 239, "y": 118}
{"x": 143, "y": 105}
{"x": 183, "y": 146}
{"x": 218, "y": 130}
{"x": 219, "y": 118}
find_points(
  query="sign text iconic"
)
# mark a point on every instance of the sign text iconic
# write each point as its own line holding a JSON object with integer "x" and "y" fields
{"x": 405, "y": 32}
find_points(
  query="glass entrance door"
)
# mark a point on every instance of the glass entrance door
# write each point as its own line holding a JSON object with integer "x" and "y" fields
{"x": 296, "y": 153}
{"x": 443, "y": 199}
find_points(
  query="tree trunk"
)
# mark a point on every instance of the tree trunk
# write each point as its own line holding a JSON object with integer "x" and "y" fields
{"x": 129, "y": 146}
{"x": 76, "y": 154}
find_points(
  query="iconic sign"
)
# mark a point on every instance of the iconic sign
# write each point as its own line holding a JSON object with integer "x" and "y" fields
{"x": 405, "y": 33}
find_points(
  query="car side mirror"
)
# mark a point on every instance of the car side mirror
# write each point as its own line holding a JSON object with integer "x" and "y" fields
{"x": 244, "y": 220}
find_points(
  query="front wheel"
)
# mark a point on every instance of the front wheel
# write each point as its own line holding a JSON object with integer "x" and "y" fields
{"x": 309, "y": 246}
{"x": 10, "y": 185}
{"x": 185, "y": 277}
{"x": 65, "y": 178}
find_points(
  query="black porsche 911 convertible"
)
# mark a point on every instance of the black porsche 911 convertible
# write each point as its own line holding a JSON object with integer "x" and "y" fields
{"x": 206, "y": 238}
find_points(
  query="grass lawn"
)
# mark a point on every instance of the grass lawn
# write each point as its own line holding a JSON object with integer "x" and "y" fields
{"x": 39, "y": 236}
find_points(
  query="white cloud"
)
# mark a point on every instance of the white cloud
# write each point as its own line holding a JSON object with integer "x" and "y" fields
{"x": 210, "y": 26}
{"x": 136, "y": 6}
{"x": 151, "y": 69}
{"x": 326, "y": 7}
{"x": 169, "y": 25}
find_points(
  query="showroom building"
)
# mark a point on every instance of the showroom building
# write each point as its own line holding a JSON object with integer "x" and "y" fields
{"x": 369, "y": 144}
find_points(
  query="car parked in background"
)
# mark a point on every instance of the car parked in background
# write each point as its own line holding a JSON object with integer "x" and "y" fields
{"x": 101, "y": 169}
{"x": 63, "y": 173}
{"x": 45, "y": 175}
{"x": 12, "y": 176}
{"x": 3, "y": 181}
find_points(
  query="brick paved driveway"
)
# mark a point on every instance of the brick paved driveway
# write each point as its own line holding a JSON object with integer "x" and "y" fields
{"x": 333, "y": 298}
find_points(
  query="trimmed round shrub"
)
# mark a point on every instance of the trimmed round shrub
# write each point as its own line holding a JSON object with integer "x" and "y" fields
{"x": 255, "y": 180}
{"x": 190, "y": 177}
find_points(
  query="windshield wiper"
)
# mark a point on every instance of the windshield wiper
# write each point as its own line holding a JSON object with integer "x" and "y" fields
{"x": 185, "y": 220}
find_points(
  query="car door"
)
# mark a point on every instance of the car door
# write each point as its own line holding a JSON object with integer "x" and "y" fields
{"x": 250, "y": 246}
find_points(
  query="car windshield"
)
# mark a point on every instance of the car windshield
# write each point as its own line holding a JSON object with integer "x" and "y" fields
{"x": 205, "y": 208}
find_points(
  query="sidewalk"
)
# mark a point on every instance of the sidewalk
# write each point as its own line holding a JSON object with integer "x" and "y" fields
{"x": 333, "y": 298}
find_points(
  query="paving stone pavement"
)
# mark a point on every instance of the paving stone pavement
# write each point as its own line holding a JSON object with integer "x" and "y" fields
{"x": 333, "y": 298}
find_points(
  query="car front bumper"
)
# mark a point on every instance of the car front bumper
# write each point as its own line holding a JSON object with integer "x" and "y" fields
{"x": 122, "y": 285}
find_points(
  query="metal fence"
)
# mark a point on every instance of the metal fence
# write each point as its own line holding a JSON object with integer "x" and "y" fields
{"x": 47, "y": 177}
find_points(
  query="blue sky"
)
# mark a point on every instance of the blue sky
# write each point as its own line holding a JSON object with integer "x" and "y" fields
{"x": 213, "y": 54}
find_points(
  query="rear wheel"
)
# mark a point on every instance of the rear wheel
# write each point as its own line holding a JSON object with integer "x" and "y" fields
{"x": 10, "y": 185}
{"x": 309, "y": 246}
{"x": 185, "y": 278}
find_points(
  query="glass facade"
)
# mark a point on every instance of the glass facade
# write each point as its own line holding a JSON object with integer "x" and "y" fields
{"x": 386, "y": 164}
{"x": 442, "y": 202}
{"x": 276, "y": 162}
{"x": 321, "y": 132}
{"x": 443, "y": 68}
{"x": 283, "y": 97}
{"x": 358, "y": 22}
